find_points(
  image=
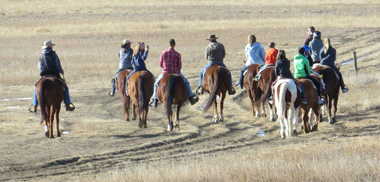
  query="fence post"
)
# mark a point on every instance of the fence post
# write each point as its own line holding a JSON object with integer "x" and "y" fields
{"x": 355, "y": 63}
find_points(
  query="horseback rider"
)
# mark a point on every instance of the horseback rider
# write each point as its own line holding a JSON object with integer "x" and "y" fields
{"x": 138, "y": 61}
{"x": 302, "y": 69}
{"x": 310, "y": 32}
{"x": 270, "y": 59}
{"x": 328, "y": 58}
{"x": 316, "y": 47}
{"x": 49, "y": 64}
{"x": 283, "y": 71}
{"x": 125, "y": 56}
{"x": 215, "y": 53}
{"x": 255, "y": 54}
{"x": 170, "y": 62}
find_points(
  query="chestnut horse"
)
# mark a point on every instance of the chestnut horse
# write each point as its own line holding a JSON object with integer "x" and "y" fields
{"x": 310, "y": 117}
{"x": 50, "y": 92}
{"x": 287, "y": 98}
{"x": 172, "y": 90}
{"x": 216, "y": 82}
{"x": 247, "y": 81}
{"x": 261, "y": 91}
{"x": 140, "y": 89}
{"x": 332, "y": 89}
{"x": 120, "y": 85}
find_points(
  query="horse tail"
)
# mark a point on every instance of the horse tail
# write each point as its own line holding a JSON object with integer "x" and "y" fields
{"x": 213, "y": 91}
{"x": 142, "y": 97}
{"x": 42, "y": 100}
{"x": 280, "y": 100}
{"x": 170, "y": 93}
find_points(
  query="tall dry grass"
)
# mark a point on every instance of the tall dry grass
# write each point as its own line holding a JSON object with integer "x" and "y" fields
{"x": 353, "y": 160}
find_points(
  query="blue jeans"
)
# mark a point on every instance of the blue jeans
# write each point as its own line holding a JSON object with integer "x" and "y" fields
{"x": 191, "y": 94}
{"x": 114, "y": 77}
{"x": 261, "y": 69}
{"x": 66, "y": 98}
{"x": 241, "y": 76}
{"x": 316, "y": 83}
{"x": 204, "y": 69}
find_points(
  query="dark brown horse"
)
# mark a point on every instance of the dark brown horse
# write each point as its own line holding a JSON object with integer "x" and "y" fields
{"x": 310, "y": 117}
{"x": 261, "y": 91}
{"x": 120, "y": 84}
{"x": 332, "y": 90}
{"x": 172, "y": 90}
{"x": 216, "y": 82}
{"x": 140, "y": 90}
{"x": 50, "y": 91}
{"x": 247, "y": 81}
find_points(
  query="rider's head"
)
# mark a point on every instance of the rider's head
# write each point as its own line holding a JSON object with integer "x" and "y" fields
{"x": 171, "y": 42}
{"x": 281, "y": 55}
{"x": 301, "y": 50}
{"x": 251, "y": 39}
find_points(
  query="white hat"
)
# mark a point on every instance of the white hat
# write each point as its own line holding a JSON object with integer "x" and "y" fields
{"x": 126, "y": 42}
{"x": 47, "y": 44}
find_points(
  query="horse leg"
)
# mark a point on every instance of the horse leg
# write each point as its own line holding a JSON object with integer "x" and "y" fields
{"x": 145, "y": 116}
{"x": 51, "y": 120}
{"x": 311, "y": 119}
{"x": 177, "y": 116}
{"x": 57, "y": 120}
{"x": 221, "y": 118}
{"x": 335, "y": 108}
{"x": 134, "y": 115}
{"x": 315, "y": 109}
{"x": 306, "y": 125}
{"x": 272, "y": 113}
{"x": 252, "y": 102}
{"x": 257, "y": 105}
{"x": 295, "y": 120}
{"x": 169, "y": 115}
{"x": 264, "y": 115}
{"x": 126, "y": 100}
{"x": 215, "y": 118}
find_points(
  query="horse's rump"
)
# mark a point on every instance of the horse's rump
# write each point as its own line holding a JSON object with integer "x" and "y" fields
{"x": 215, "y": 82}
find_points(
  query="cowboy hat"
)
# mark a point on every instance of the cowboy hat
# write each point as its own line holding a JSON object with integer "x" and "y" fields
{"x": 212, "y": 37}
{"x": 47, "y": 44}
{"x": 126, "y": 42}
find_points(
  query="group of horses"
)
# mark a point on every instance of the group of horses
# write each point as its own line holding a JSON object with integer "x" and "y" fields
{"x": 172, "y": 91}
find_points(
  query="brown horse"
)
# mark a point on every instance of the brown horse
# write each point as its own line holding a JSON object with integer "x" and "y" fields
{"x": 287, "y": 98}
{"x": 140, "y": 90}
{"x": 261, "y": 91}
{"x": 120, "y": 84}
{"x": 172, "y": 90}
{"x": 50, "y": 92}
{"x": 216, "y": 82}
{"x": 247, "y": 81}
{"x": 332, "y": 90}
{"x": 310, "y": 117}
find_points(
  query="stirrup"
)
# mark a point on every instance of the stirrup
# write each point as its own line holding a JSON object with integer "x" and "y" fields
{"x": 70, "y": 107}
{"x": 345, "y": 90}
{"x": 199, "y": 90}
{"x": 32, "y": 108}
{"x": 110, "y": 93}
{"x": 231, "y": 91}
{"x": 153, "y": 103}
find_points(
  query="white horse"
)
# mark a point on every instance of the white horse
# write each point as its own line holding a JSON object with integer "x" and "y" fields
{"x": 286, "y": 105}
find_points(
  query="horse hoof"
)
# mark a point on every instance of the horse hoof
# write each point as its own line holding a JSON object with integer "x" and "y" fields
{"x": 47, "y": 134}
{"x": 140, "y": 125}
{"x": 127, "y": 119}
{"x": 332, "y": 121}
{"x": 264, "y": 115}
{"x": 315, "y": 128}
{"x": 177, "y": 127}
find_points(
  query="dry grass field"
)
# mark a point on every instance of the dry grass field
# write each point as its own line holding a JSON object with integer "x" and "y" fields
{"x": 99, "y": 145}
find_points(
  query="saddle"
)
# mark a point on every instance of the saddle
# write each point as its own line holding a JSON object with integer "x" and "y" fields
{"x": 315, "y": 65}
{"x": 312, "y": 83}
{"x": 128, "y": 69}
{"x": 63, "y": 82}
{"x": 298, "y": 83}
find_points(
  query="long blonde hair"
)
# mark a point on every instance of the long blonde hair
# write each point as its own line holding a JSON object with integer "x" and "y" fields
{"x": 138, "y": 48}
{"x": 327, "y": 44}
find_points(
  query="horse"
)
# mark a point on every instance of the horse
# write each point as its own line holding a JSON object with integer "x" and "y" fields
{"x": 247, "y": 81}
{"x": 287, "y": 98}
{"x": 310, "y": 117}
{"x": 50, "y": 93}
{"x": 172, "y": 90}
{"x": 261, "y": 91}
{"x": 140, "y": 89}
{"x": 216, "y": 82}
{"x": 331, "y": 92}
{"x": 120, "y": 84}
